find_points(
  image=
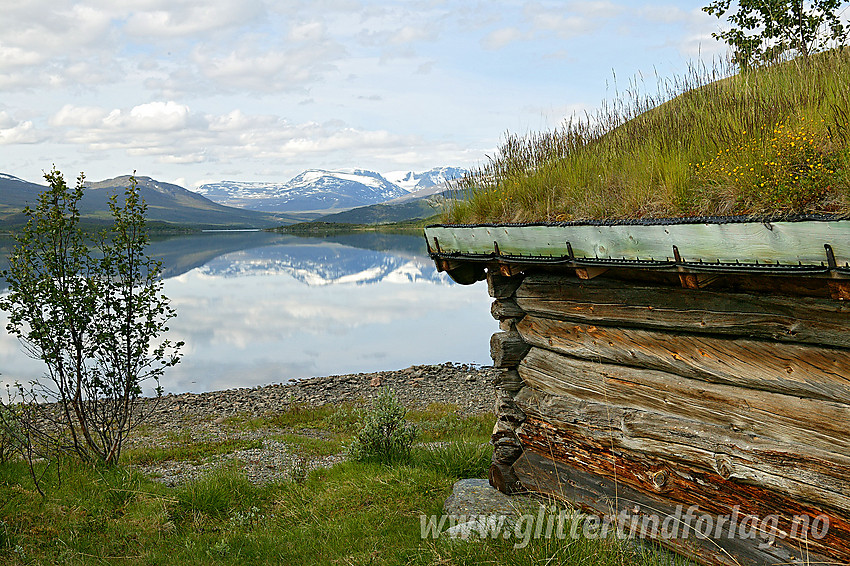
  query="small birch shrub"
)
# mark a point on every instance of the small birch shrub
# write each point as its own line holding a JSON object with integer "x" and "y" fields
{"x": 385, "y": 435}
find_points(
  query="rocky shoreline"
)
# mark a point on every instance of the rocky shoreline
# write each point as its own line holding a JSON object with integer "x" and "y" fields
{"x": 467, "y": 386}
{"x": 204, "y": 417}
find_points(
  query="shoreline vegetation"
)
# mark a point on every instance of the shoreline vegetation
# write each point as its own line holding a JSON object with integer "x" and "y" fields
{"x": 259, "y": 476}
{"x": 154, "y": 228}
{"x": 318, "y": 229}
{"x": 769, "y": 141}
{"x": 313, "y": 229}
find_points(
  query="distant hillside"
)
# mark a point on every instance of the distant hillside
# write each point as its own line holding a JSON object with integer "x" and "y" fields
{"x": 380, "y": 213}
{"x": 167, "y": 203}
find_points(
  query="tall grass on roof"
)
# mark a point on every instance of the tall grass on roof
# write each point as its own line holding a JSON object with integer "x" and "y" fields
{"x": 767, "y": 141}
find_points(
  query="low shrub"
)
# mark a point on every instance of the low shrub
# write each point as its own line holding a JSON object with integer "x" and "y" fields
{"x": 385, "y": 435}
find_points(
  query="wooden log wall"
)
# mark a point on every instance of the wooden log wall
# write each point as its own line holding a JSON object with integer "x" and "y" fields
{"x": 635, "y": 398}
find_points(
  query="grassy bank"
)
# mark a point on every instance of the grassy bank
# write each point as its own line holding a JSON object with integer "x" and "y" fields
{"x": 352, "y": 513}
{"x": 332, "y": 228}
{"x": 769, "y": 141}
{"x": 154, "y": 228}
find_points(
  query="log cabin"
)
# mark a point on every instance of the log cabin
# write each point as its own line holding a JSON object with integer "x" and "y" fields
{"x": 689, "y": 379}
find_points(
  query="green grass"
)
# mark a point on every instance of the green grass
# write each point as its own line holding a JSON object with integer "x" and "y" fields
{"x": 769, "y": 141}
{"x": 315, "y": 229}
{"x": 353, "y": 513}
{"x": 181, "y": 447}
{"x": 333, "y": 418}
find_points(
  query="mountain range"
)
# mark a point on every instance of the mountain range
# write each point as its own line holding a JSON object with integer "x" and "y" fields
{"x": 167, "y": 203}
{"x": 326, "y": 192}
{"x": 362, "y": 196}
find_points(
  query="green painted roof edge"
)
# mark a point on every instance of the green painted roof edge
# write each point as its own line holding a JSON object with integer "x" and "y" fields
{"x": 781, "y": 243}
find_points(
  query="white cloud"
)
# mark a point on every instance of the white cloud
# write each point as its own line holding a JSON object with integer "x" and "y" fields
{"x": 150, "y": 117}
{"x": 172, "y": 133}
{"x": 566, "y": 22}
{"x": 695, "y": 40}
{"x": 309, "y": 32}
{"x": 17, "y": 132}
{"x": 595, "y": 9}
{"x": 78, "y": 116}
{"x": 189, "y": 18}
{"x": 257, "y": 86}
{"x": 16, "y": 57}
{"x": 411, "y": 34}
{"x": 263, "y": 70}
{"x": 154, "y": 117}
{"x": 502, "y": 37}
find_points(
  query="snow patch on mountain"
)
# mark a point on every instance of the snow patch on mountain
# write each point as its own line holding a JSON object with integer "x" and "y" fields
{"x": 314, "y": 189}
{"x": 321, "y": 190}
{"x": 11, "y": 178}
{"x": 412, "y": 181}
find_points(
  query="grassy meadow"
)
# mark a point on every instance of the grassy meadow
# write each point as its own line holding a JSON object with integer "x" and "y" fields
{"x": 770, "y": 141}
{"x": 352, "y": 513}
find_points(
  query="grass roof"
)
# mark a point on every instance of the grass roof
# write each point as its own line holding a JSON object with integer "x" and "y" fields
{"x": 770, "y": 141}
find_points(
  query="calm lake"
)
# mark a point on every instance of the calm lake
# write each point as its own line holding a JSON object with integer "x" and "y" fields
{"x": 256, "y": 308}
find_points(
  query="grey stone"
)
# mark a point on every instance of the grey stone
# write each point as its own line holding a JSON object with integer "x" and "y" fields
{"x": 478, "y": 497}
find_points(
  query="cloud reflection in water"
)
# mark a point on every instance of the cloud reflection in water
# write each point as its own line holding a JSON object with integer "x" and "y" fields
{"x": 305, "y": 307}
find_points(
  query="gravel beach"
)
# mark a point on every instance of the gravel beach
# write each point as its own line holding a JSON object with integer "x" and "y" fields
{"x": 203, "y": 417}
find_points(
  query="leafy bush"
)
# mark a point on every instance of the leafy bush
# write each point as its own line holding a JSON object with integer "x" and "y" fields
{"x": 385, "y": 435}
{"x": 10, "y": 433}
{"x": 93, "y": 316}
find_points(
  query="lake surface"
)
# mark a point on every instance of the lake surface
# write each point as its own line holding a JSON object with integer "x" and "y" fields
{"x": 256, "y": 308}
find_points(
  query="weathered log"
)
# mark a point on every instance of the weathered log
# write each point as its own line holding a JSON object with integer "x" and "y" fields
{"x": 501, "y": 287}
{"x": 507, "y": 409}
{"x": 603, "y": 301}
{"x": 819, "y": 477}
{"x": 636, "y": 511}
{"x": 793, "y": 369}
{"x": 507, "y": 349}
{"x": 503, "y": 309}
{"x": 508, "y": 380}
{"x": 503, "y": 478}
{"x": 785, "y": 418}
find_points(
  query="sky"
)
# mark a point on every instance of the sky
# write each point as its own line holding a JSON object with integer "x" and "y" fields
{"x": 189, "y": 91}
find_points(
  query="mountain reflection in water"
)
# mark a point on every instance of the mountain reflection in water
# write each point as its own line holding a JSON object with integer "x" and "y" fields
{"x": 258, "y": 308}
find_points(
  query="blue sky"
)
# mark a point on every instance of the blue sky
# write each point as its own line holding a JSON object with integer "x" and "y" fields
{"x": 254, "y": 90}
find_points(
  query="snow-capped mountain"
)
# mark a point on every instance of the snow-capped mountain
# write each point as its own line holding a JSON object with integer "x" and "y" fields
{"x": 412, "y": 181}
{"x": 320, "y": 190}
{"x": 312, "y": 190}
{"x": 166, "y": 203}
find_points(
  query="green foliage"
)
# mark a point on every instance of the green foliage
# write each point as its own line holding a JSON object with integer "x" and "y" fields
{"x": 11, "y": 441}
{"x": 132, "y": 311}
{"x": 459, "y": 459}
{"x": 94, "y": 317}
{"x": 219, "y": 494}
{"x": 643, "y": 156}
{"x": 385, "y": 436}
{"x": 763, "y": 30}
{"x": 352, "y": 513}
{"x": 439, "y": 422}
